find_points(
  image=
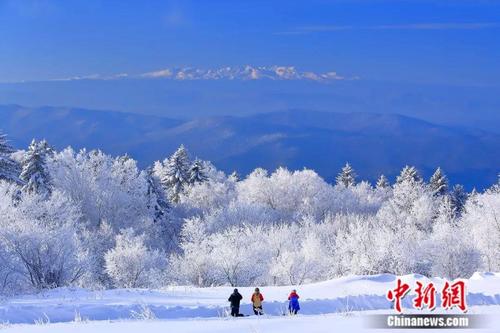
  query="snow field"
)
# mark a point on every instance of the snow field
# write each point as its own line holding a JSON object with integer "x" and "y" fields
{"x": 342, "y": 295}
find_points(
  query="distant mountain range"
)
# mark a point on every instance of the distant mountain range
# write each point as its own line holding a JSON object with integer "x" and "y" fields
{"x": 324, "y": 141}
{"x": 189, "y": 92}
{"x": 247, "y": 72}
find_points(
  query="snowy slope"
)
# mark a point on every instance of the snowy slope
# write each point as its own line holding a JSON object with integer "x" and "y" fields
{"x": 355, "y": 293}
{"x": 352, "y": 322}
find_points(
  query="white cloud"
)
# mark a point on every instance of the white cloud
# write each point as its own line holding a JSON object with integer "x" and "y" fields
{"x": 160, "y": 73}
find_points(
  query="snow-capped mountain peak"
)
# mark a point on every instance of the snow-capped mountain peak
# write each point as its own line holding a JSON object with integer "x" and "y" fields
{"x": 242, "y": 73}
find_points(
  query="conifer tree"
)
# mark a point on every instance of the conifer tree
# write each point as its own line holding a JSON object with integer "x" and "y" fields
{"x": 156, "y": 197}
{"x": 383, "y": 182}
{"x": 458, "y": 198}
{"x": 346, "y": 177}
{"x": 197, "y": 173}
{"x": 438, "y": 183}
{"x": 9, "y": 169}
{"x": 34, "y": 172}
{"x": 234, "y": 176}
{"x": 176, "y": 173}
{"x": 409, "y": 173}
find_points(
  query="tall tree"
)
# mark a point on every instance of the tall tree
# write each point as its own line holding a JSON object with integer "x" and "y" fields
{"x": 9, "y": 169}
{"x": 197, "y": 173}
{"x": 409, "y": 173}
{"x": 458, "y": 198}
{"x": 176, "y": 173}
{"x": 34, "y": 172}
{"x": 156, "y": 196}
{"x": 438, "y": 183}
{"x": 383, "y": 182}
{"x": 346, "y": 177}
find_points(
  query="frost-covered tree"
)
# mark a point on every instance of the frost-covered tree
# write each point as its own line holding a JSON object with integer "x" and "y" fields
{"x": 197, "y": 172}
{"x": 156, "y": 196}
{"x": 278, "y": 241}
{"x": 347, "y": 176}
{"x": 445, "y": 212}
{"x": 458, "y": 197}
{"x": 286, "y": 194}
{"x": 9, "y": 169}
{"x": 409, "y": 173}
{"x": 301, "y": 259}
{"x": 35, "y": 174}
{"x": 112, "y": 194}
{"x": 94, "y": 244}
{"x": 382, "y": 182}
{"x": 309, "y": 262}
{"x": 195, "y": 263}
{"x": 110, "y": 190}
{"x": 354, "y": 248}
{"x": 452, "y": 252}
{"x": 238, "y": 258}
{"x": 209, "y": 196}
{"x": 39, "y": 233}
{"x": 163, "y": 232}
{"x": 131, "y": 264}
{"x": 235, "y": 176}
{"x": 106, "y": 223}
{"x": 438, "y": 183}
{"x": 176, "y": 173}
{"x": 411, "y": 204}
{"x": 482, "y": 222}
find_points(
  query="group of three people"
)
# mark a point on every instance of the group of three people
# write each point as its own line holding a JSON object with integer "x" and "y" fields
{"x": 257, "y": 299}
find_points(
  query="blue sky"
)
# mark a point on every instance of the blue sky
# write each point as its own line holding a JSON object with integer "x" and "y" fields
{"x": 443, "y": 42}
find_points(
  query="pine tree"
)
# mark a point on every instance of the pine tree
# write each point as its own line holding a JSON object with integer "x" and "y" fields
{"x": 9, "y": 169}
{"x": 176, "y": 174}
{"x": 409, "y": 173}
{"x": 346, "y": 177}
{"x": 383, "y": 182}
{"x": 197, "y": 172}
{"x": 34, "y": 172}
{"x": 438, "y": 183}
{"x": 458, "y": 198}
{"x": 446, "y": 211}
{"x": 234, "y": 176}
{"x": 473, "y": 196}
{"x": 156, "y": 198}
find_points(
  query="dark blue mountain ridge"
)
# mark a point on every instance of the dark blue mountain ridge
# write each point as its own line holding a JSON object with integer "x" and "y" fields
{"x": 324, "y": 141}
{"x": 470, "y": 106}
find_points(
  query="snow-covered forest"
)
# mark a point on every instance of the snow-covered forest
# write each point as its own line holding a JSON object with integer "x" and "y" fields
{"x": 84, "y": 218}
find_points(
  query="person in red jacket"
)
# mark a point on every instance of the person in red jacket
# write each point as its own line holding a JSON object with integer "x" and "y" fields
{"x": 293, "y": 304}
{"x": 257, "y": 299}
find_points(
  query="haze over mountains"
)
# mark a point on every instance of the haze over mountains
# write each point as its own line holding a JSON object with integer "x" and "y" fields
{"x": 233, "y": 92}
{"x": 324, "y": 141}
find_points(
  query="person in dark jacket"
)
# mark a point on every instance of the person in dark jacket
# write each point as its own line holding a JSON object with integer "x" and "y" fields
{"x": 293, "y": 304}
{"x": 257, "y": 300}
{"x": 235, "y": 299}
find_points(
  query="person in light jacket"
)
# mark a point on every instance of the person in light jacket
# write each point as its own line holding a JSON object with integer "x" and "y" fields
{"x": 257, "y": 300}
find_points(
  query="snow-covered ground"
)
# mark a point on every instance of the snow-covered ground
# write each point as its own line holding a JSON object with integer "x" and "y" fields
{"x": 352, "y": 323}
{"x": 188, "y": 309}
